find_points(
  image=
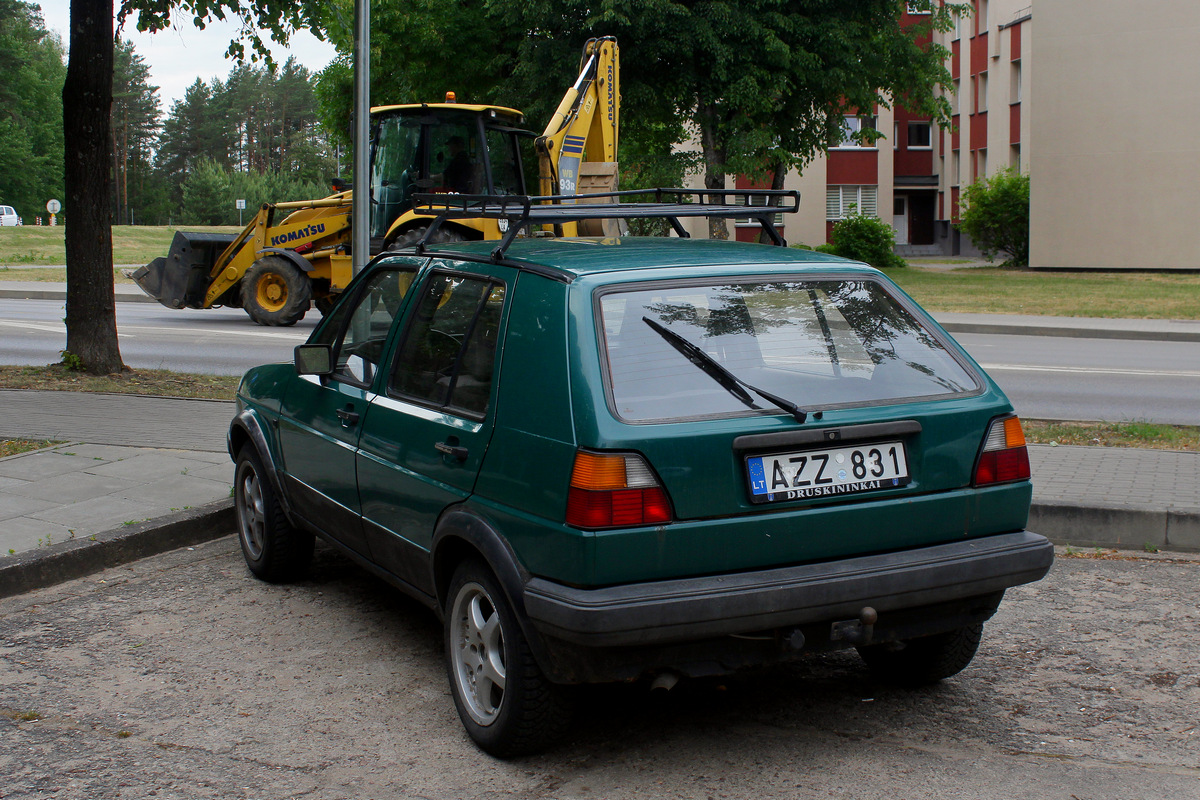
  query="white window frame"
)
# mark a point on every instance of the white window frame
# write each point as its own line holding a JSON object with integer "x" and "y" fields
{"x": 854, "y": 123}
{"x": 918, "y": 8}
{"x": 840, "y": 197}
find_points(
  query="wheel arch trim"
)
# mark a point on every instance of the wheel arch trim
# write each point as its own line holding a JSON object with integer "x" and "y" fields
{"x": 297, "y": 260}
{"x": 248, "y": 427}
{"x": 460, "y": 531}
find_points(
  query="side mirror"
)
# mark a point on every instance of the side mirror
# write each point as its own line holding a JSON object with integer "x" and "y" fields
{"x": 314, "y": 359}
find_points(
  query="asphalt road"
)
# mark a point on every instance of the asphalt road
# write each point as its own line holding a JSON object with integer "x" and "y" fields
{"x": 1046, "y": 377}
{"x": 180, "y": 676}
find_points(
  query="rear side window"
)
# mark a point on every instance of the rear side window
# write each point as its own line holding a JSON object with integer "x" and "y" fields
{"x": 448, "y": 354}
{"x": 817, "y": 343}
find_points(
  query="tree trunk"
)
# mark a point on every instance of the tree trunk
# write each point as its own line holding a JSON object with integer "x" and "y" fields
{"x": 87, "y": 134}
{"x": 778, "y": 173}
{"x": 714, "y": 169}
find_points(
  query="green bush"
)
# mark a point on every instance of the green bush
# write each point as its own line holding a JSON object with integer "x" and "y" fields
{"x": 864, "y": 238}
{"x": 994, "y": 212}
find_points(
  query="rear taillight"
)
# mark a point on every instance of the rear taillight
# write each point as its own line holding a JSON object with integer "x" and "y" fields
{"x": 611, "y": 491}
{"x": 1004, "y": 457}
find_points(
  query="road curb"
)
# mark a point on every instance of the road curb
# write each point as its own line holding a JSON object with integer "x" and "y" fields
{"x": 47, "y": 566}
{"x": 58, "y": 294}
{"x": 1074, "y": 333}
{"x": 1123, "y": 528}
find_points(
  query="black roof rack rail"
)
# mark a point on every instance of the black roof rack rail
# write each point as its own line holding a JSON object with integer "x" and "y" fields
{"x": 522, "y": 212}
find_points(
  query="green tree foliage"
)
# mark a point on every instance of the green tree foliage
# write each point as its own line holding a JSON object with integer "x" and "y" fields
{"x": 210, "y": 190}
{"x": 762, "y": 84}
{"x": 135, "y": 124}
{"x": 253, "y": 121}
{"x": 994, "y": 212}
{"x": 31, "y": 135}
{"x": 864, "y": 238}
{"x": 493, "y": 53}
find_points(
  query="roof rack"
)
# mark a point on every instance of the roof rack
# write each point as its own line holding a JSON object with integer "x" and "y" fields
{"x": 521, "y": 212}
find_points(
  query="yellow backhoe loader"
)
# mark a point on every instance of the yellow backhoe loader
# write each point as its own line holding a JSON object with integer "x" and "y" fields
{"x": 297, "y": 254}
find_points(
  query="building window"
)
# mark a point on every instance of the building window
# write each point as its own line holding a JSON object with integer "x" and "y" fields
{"x": 955, "y": 167}
{"x": 956, "y": 104}
{"x": 1014, "y": 90}
{"x": 1014, "y": 158}
{"x": 755, "y": 200}
{"x": 981, "y": 16}
{"x": 920, "y": 135}
{"x": 919, "y": 7}
{"x": 982, "y": 165}
{"x": 841, "y": 200}
{"x": 983, "y": 84}
{"x": 852, "y": 126}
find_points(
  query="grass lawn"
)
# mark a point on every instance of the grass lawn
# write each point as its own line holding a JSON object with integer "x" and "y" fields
{"x": 1113, "y": 434}
{"x": 12, "y": 447}
{"x": 159, "y": 382}
{"x": 989, "y": 290}
{"x": 132, "y": 244}
{"x": 49, "y": 274}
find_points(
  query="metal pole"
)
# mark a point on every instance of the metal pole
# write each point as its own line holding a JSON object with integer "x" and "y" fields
{"x": 360, "y": 241}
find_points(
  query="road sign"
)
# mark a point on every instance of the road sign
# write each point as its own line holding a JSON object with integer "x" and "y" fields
{"x": 54, "y": 206}
{"x": 241, "y": 204}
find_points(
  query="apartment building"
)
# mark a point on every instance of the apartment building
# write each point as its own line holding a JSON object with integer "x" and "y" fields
{"x": 1106, "y": 127}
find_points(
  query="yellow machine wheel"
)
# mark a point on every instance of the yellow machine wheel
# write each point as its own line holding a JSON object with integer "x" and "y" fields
{"x": 275, "y": 292}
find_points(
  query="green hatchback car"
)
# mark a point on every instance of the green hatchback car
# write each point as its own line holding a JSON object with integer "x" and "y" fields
{"x": 641, "y": 458}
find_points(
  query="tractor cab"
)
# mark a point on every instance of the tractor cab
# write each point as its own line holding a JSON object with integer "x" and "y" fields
{"x": 447, "y": 148}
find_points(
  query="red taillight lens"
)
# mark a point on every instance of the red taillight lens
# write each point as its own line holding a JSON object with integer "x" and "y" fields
{"x": 1004, "y": 458}
{"x": 610, "y": 491}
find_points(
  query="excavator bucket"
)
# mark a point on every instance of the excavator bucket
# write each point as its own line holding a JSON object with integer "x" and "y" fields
{"x": 182, "y": 278}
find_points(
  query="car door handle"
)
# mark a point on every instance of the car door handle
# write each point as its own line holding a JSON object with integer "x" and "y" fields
{"x": 452, "y": 450}
{"x": 348, "y": 416}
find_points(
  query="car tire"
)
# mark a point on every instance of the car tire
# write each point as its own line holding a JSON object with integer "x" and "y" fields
{"x": 925, "y": 660}
{"x": 507, "y": 705}
{"x": 274, "y": 550}
{"x": 275, "y": 292}
{"x": 413, "y": 235}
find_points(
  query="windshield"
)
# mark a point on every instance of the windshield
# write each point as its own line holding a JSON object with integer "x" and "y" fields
{"x": 818, "y": 343}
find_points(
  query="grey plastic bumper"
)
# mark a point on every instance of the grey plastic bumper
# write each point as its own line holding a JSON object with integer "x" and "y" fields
{"x": 696, "y": 608}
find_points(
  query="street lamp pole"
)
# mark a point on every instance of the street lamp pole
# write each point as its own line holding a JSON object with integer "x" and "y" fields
{"x": 360, "y": 241}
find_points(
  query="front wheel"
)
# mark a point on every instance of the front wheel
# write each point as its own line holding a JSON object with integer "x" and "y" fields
{"x": 506, "y": 704}
{"x": 925, "y": 660}
{"x": 274, "y": 550}
{"x": 275, "y": 292}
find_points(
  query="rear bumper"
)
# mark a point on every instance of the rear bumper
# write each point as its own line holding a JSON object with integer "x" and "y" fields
{"x": 664, "y": 612}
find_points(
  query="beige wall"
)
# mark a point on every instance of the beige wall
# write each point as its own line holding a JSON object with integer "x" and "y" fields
{"x": 1115, "y": 150}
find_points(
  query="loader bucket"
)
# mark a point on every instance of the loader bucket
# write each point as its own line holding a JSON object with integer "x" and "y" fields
{"x": 182, "y": 278}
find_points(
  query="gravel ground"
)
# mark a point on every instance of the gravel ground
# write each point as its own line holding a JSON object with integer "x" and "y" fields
{"x": 180, "y": 676}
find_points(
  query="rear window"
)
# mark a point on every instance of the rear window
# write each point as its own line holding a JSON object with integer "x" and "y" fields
{"x": 818, "y": 343}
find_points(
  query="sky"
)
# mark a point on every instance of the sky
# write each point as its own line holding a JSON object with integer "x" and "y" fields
{"x": 177, "y": 57}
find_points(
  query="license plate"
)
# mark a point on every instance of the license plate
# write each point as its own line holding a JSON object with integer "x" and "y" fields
{"x": 816, "y": 474}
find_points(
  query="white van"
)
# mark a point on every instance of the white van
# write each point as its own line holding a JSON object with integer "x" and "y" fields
{"x": 8, "y": 216}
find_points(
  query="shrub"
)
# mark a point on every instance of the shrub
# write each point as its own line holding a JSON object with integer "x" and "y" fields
{"x": 994, "y": 212}
{"x": 864, "y": 238}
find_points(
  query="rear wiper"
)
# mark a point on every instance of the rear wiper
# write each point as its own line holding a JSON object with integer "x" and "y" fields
{"x": 730, "y": 382}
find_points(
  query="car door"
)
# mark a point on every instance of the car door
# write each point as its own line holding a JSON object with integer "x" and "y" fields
{"x": 423, "y": 440}
{"x": 321, "y": 416}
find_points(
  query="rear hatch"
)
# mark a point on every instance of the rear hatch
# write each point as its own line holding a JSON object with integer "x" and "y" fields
{"x": 789, "y": 419}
